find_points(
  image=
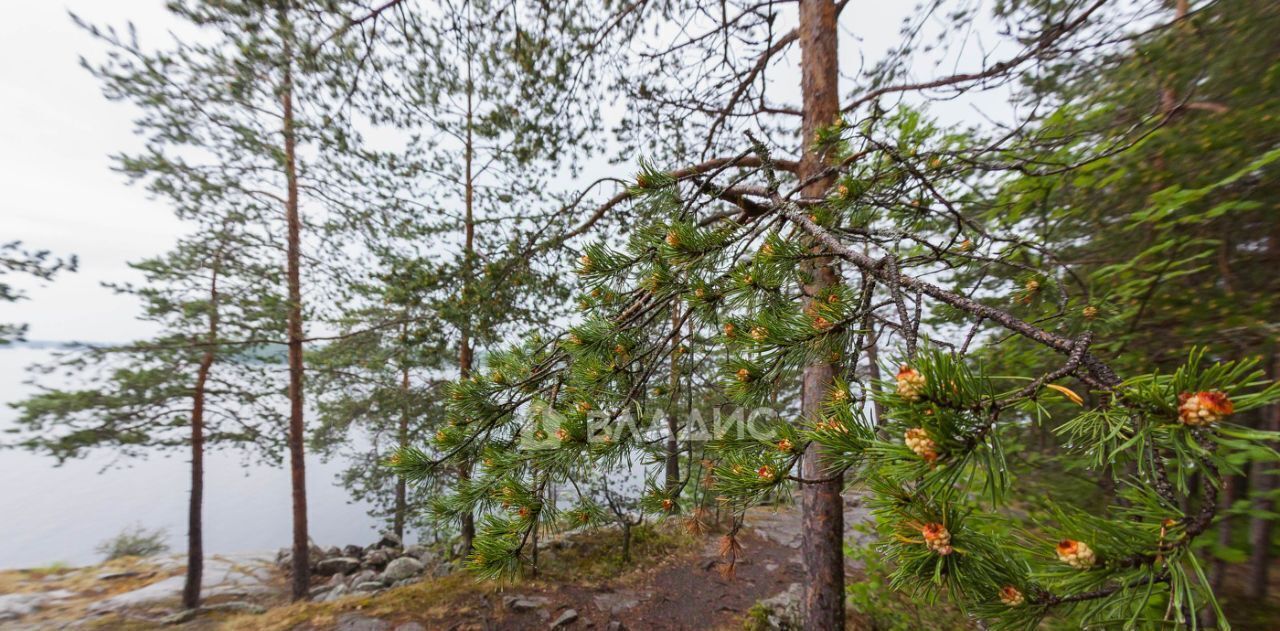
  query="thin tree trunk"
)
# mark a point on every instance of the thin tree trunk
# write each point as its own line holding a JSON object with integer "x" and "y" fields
{"x": 297, "y": 465}
{"x": 402, "y": 437}
{"x": 823, "y": 507}
{"x": 468, "y": 253}
{"x": 1261, "y": 485}
{"x": 873, "y": 372}
{"x": 195, "y": 510}
{"x": 673, "y": 427}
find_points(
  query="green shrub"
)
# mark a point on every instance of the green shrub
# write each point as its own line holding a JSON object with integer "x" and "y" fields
{"x": 134, "y": 542}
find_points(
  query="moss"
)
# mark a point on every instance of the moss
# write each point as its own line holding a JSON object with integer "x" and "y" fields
{"x": 757, "y": 618}
{"x": 598, "y": 555}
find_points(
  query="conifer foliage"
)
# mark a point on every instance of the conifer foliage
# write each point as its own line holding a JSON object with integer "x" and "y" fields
{"x": 731, "y": 245}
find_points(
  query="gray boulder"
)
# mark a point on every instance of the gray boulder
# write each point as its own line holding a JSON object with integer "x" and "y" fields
{"x": 337, "y": 565}
{"x": 352, "y": 551}
{"x": 368, "y": 586}
{"x": 389, "y": 540}
{"x": 336, "y": 592}
{"x": 363, "y": 576}
{"x": 377, "y": 558}
{"x": 402, "y": 568}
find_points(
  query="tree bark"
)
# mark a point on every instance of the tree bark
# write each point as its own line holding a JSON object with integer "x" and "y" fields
{"x": 823, "y": 506}
{"x": 673, "y": 427}
{"x": 468, "y": 254}
{"x": 297, "y": 465}
{"x": 1262, "y": 484}
{"x": 195, "y": 509}
{"x": 402, "y": 437}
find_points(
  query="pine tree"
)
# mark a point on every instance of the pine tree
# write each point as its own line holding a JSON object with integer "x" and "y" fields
{"x": 39, "y": 264}
{"x": 1179, "y": 212}
{"x": 197, "y": 382}
{"x": 788, "y": 269}
{"x": 255, "y": 117}
{"x": 482, "y": 102}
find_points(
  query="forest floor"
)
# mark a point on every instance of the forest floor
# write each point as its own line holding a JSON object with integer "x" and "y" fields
{"x": 677, "y": 580}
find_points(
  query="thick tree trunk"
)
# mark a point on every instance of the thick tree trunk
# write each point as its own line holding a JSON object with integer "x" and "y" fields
{"x": 1261, "y": 485}
{"x": 468, "y": 253}
{"x": 297, "y": 465}
{"x": 823, "y": 508}
{"x": 195, "y": 509}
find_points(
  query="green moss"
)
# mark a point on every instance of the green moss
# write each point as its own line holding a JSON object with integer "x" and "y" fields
{"x": 757, "y": 618}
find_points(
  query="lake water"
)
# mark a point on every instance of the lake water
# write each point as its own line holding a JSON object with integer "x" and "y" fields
{"x": 54, "y": 513}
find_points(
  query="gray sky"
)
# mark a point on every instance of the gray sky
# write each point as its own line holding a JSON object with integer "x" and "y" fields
{"x": 57, "y": 133}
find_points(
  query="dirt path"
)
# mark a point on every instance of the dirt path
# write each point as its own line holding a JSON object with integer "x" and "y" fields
{"x": 690, "y": 590}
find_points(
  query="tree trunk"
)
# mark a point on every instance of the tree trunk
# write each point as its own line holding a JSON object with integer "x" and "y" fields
{"x": 1261, "y": 485}
{"x": 673, "y": 427}
{"x": 402, "y": 437}
{"x": 297, "y": 465}
{"x": 195, "y": 510}
{"x": 823, "y": 508}
{"x": 468, "y": 253}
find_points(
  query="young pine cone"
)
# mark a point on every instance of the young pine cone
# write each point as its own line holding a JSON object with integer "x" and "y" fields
{"x": 937, "y": 538}
{"x": 1077, "y": 554}
{"x": 918, "y": 441}
{"x": 910, "y": 383}
{"x": 1203, "y": 408}
{"x": 1010, "y": 596}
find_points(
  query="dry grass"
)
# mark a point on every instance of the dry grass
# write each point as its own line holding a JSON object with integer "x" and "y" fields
{"x": 432, "y": 598}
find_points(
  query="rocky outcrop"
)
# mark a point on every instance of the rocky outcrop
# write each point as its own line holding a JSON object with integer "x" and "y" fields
{"x": 385, "y": 563}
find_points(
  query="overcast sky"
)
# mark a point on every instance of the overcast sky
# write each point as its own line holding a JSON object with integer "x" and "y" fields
{"x": 59, "y": 192}
{"x": 57, "y": 133}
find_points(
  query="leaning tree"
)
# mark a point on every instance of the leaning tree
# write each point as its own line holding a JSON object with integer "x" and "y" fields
{"x": 798, "y": 246}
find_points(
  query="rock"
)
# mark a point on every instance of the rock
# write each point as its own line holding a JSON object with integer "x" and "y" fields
{"x": 234, "y": 606}
{"x": 355, "y": 622}
{"x": 13, "y": 606}
{"x": 318, "y": 592}
{"x": 337, "y": 565}
{"x": 614, "y": 625}
{"x": 377, "y": 558}
{"x": 402, "y": 568}
{"x": 284, "y": 560}
{"x": 783, "y": 610}
{"x": 368, "y": 586}
{"x": 567, "y": 618}
{"x": 363, "y": 576}
{"x": 524, "y": 603}
{"x": 411, "y": 626}
{"x": 389, "y": 540}
{"x": 352, "y": 551}
{"x": 405, "y": 581}
{"x": 335, "y": 592}
{"x": 616, "y": 602}
{"x": 224, "y": 575}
